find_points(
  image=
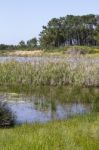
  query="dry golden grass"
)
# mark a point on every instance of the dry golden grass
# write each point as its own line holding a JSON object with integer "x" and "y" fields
{"x": 26, "y": 53}
{"x": 34, "y": 53}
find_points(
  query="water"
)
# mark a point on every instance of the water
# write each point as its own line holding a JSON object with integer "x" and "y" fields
{"x": 31, "y": 112}
{"x": 37, "y": 59}
{"x": 48, "y": 104}
{"x": 29, "y": 59}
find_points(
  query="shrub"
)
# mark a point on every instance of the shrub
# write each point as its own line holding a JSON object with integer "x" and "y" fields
{"x": 7, "y": 118}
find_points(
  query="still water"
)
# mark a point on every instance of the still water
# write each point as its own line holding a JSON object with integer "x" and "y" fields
{"x": 49, "y": 104}
{"x": 42, "y": 112}
{"x": 40, "y": 59}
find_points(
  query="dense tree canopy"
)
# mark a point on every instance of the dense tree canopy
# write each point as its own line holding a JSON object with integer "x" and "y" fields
{"x": 68, "y": 30}
{"x": 8, "y": 47}
{"x": 71, "y": 30}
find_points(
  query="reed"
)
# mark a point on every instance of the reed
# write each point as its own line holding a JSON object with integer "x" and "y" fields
{"x": 49, "y": 73}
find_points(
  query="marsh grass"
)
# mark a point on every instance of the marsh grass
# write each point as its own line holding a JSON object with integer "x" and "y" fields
{"x": 79, "y": 133}
{"x": 49, "y": 73}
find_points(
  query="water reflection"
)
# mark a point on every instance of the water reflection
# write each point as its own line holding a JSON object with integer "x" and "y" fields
{"x": 36, "y": 109}
{"x": 31, "y": 112}
{"x": 45, "y": 104}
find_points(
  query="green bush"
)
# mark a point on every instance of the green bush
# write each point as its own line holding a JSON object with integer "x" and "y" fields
{"x": 7, "y": 118}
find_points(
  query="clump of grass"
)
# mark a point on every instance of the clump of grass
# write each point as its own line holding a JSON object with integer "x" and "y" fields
{"x": 49, "y": 73}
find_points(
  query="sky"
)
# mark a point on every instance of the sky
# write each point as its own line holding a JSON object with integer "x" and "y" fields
{"x": 23, "y": 19}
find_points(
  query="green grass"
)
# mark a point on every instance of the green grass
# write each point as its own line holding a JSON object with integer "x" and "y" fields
{"x": 49, "y": 73}
{"x": 79, "y": 133}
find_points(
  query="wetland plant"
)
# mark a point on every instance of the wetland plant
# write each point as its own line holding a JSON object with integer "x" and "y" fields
{"x": 49, "y": 73}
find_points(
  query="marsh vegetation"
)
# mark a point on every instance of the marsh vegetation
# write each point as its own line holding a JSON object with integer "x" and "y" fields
{"x": 49, "y": 73}
{"x": 49, "y": 86}
{"x": 63, "y": 92}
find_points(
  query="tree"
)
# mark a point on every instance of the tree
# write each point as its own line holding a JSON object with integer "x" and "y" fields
{"x": 32, "y": 43}
{"x": 70, "y": 30}
{"x": 22, "y": 44}
{"x": 97, "y": 35}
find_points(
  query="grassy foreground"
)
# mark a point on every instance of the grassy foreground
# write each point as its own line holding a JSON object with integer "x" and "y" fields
{"x": 79, "y": 133}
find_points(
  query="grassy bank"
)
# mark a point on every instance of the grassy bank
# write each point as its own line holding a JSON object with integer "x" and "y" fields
{"x": 79, "y": 133}
{"x": 49, "y": 73}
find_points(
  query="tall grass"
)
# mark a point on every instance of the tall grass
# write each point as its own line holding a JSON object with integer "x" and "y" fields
{"x": 49, "y": 73}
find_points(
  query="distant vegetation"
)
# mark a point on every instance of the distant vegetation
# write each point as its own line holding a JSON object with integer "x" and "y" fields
{"x": 64, "y": 31}
{"x": 31, "y": 44}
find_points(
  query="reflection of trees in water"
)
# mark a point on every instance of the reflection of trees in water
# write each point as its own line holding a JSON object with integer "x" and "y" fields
{"x": 7, "y": 118}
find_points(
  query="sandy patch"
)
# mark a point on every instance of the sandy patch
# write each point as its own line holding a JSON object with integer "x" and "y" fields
{"x": 26, "y": 53}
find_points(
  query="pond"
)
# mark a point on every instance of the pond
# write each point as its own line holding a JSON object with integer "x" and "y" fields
{"x": 46, "y": 104}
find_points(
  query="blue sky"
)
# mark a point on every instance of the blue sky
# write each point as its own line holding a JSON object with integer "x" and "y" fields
{"x": 23, "y": 19}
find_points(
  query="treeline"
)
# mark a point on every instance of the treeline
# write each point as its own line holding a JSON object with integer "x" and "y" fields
{"x": 7, "y": 47}
{"x": 30, "y": 44}
{"x": 63, "y": 31}
{"x": 71, "y": 30}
